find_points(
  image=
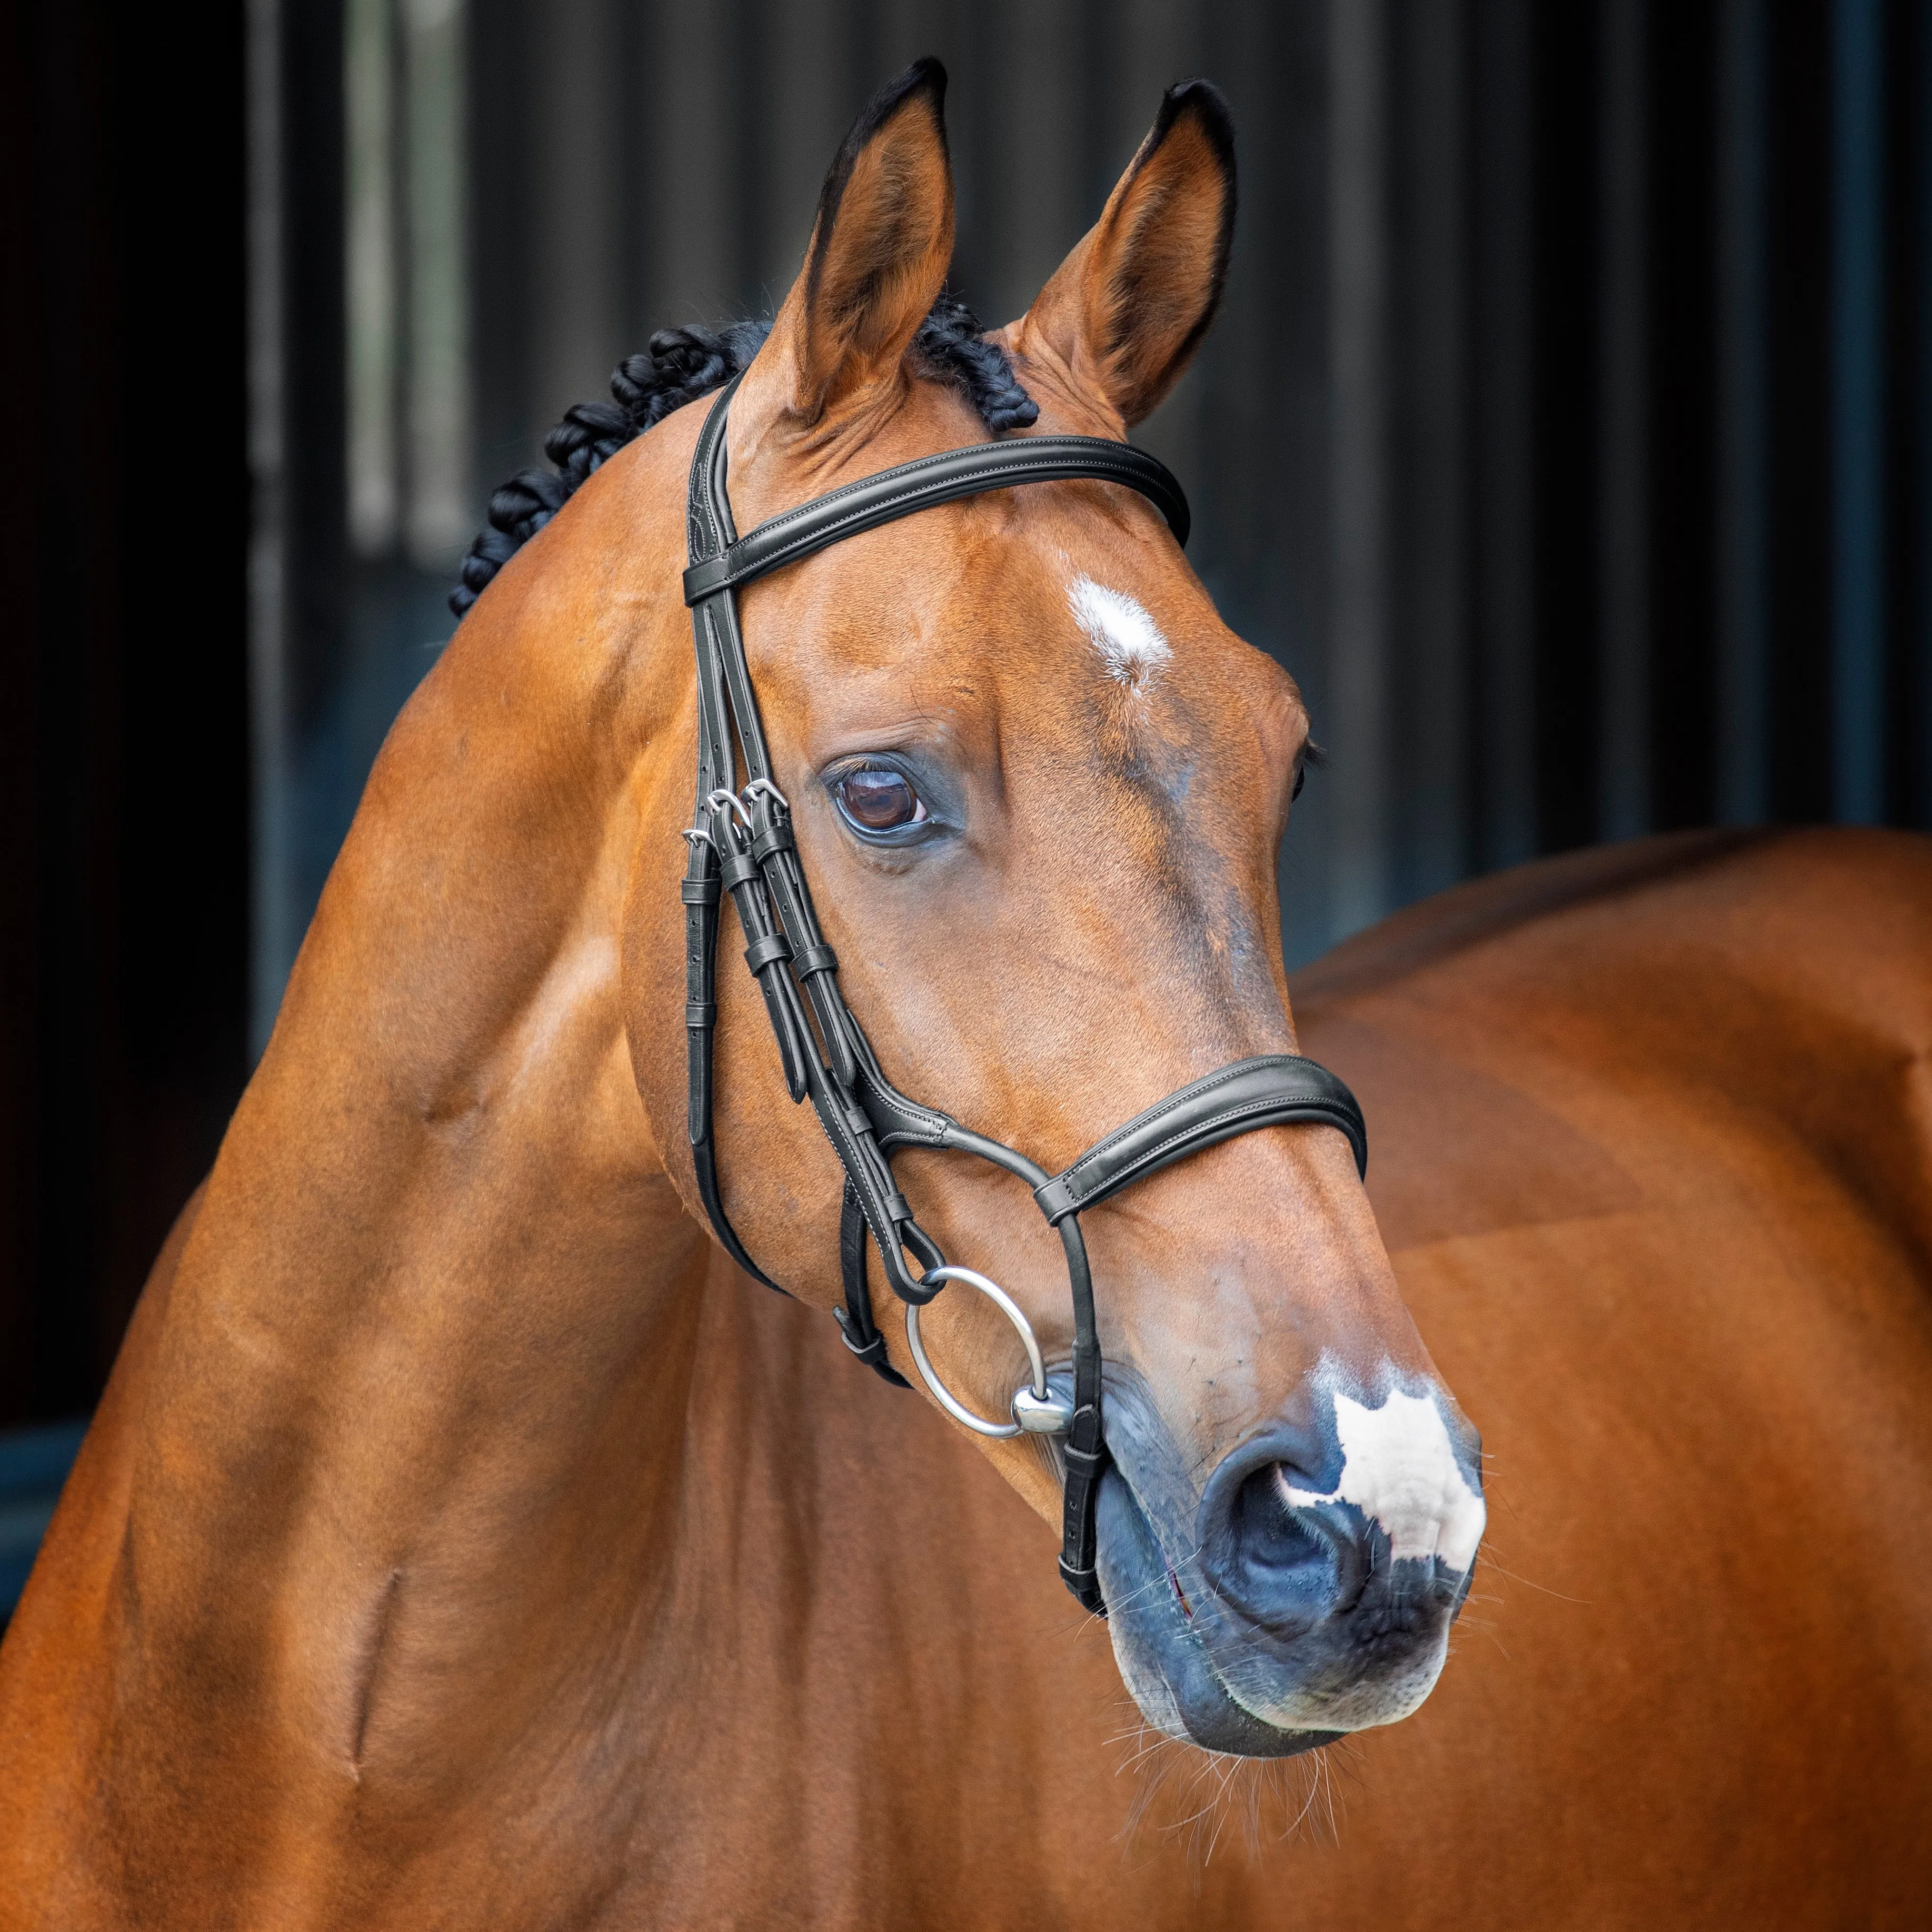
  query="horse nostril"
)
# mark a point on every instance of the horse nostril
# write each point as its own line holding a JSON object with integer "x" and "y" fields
{"x": 1267, "y": 1532}
{"x": 1291, "y": 1564}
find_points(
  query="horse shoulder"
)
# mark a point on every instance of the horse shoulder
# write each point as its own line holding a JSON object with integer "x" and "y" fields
{"x": 56, "y": 1675}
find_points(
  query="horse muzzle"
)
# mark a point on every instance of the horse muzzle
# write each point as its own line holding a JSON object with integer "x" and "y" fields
{"x": 1329, "y": 1555}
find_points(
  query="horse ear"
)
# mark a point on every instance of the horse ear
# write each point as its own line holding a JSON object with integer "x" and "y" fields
{"x": 881, "y": 244}
{"x": 1125, "y": 312}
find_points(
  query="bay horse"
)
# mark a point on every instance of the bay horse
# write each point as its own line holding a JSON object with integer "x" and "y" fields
{"x": 463, "y": 1541}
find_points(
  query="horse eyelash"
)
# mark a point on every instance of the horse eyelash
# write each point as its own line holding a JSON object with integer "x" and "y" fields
{"x": 1312, "y": 754}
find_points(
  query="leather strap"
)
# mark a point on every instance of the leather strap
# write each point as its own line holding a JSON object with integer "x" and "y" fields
{"x": 855, "y": 1318}
{"x": 1274, "y": 1090}
{"x": 1084, "y": 1457}
{"x": 893, "y": 494}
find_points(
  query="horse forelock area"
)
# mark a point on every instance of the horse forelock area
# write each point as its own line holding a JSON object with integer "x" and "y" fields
{"x": 682, "y": 365}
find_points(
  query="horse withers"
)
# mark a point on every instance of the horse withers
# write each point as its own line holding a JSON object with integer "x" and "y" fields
{"x": 447, "y": 1548}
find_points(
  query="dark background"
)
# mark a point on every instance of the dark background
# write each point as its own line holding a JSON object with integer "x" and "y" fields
{"x": 124, "y": 717}
{"x": 1568, "y": 433}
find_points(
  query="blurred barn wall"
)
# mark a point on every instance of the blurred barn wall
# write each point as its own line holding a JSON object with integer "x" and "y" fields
{"x": 1567, "y": 434}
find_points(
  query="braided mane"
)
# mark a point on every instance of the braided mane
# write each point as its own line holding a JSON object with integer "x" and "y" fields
{"x": 680, "y": 365}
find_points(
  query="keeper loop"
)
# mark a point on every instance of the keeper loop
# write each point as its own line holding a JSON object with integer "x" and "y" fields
{"x": 761, "y": 953}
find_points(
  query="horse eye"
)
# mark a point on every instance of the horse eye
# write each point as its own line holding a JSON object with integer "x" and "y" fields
{"x": 1300, "y": 779}
{"x": 875, "y": 798}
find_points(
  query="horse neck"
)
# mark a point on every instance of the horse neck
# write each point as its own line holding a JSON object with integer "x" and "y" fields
{"x": 426, "y": 1360}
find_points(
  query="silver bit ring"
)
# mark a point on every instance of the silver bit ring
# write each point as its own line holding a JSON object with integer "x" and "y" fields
{"x": 1035, "y": 1408}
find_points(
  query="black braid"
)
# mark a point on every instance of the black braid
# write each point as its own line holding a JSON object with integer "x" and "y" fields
{"x": 956, "y": 352}
{"x": 680, "y": 365}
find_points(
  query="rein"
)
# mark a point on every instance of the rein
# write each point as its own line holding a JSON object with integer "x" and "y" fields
{"x": 741, "y": 841}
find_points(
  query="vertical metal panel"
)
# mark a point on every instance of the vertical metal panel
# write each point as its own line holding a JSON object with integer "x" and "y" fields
{"x": 1032, "y": 173}
{"x": 1139, "y": 48}
{"x": 1504, "y": 465}
{"x": 576, "y": 292}
{"x": 1858, "y": 442}
{"x": 369, "y": 118}
{"x": 1428, "y": 566}
{"x": 683, "y": 97}
{"x": 1566, "y": 425}
{"x": 1543, "y": 437}
{"x": 1797, "y": 465}
{"x": 1623, "y": 486}
{"x": 406, "y": 272}
{"x": 1682, "y": 474}
{"x": 499, "y": 201}
{"x": 807, "y": 111}
{"x": 1741, "y": 527}
{"x": 1357, "y": 357}
{"x": 437, "y": 418}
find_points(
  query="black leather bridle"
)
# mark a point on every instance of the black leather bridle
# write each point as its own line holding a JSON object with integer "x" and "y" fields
{"x": 741, "y": 841}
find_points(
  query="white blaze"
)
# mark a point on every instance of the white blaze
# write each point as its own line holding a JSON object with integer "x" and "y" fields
{"x": 1128, "y": 641}
{"x": 1399, "y": 1468}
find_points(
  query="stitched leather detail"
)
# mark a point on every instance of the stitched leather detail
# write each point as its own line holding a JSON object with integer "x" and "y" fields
{"x": 1178, "y": 1099}
{"x": 1293, "y": 1090}
{"x": 896, "y": 1120}
{"x": 920, "y": 485}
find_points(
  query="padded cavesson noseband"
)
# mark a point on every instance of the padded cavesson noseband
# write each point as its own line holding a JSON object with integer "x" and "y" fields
{"x": 741, "y": 841}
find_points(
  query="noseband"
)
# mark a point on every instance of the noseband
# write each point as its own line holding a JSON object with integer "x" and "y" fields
{"x": 741, "y": 841}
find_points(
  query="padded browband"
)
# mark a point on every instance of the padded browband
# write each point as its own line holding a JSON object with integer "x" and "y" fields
{"x": 1275, "y": 1089}
{"x": 893, "y": 494}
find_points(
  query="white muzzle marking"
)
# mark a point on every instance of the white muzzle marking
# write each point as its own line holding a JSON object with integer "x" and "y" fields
{"x": 1399, "y": 1469}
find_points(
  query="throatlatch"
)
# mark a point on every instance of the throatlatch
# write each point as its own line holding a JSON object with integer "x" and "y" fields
{"x": 741, "y": 842}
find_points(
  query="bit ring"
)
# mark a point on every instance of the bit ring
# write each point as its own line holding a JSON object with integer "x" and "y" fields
{"x": 1035, "y": 1408}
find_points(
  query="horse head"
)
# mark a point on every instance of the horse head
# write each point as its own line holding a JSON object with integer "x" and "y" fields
{"x": 1037, "y": 788}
